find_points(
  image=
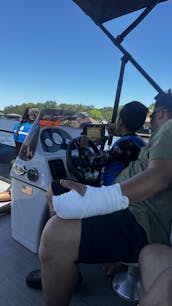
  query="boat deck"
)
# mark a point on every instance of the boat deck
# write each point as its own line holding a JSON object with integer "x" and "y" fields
{"x": 17, "y": 261}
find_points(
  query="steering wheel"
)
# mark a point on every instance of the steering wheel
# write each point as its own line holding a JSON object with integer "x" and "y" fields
{"x": 77, "y": 159}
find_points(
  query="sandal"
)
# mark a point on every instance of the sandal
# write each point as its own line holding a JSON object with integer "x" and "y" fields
{"x": 33, "y": 280}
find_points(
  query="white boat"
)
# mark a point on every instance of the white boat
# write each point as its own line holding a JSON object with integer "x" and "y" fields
{"x": 41, "y": 159}
{"x": 18, "y": 254}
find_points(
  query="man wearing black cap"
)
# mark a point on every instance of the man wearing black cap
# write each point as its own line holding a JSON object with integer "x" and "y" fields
{"x": 136, "y": 211}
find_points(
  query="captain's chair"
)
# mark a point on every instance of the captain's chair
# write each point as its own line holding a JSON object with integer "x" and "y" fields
{"x": 126, "y": 283}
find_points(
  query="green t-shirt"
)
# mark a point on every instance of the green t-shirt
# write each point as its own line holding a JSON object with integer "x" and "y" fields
{"x": 155, "y": 213}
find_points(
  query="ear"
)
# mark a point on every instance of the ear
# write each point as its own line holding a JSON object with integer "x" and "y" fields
{"x": 162, "y": 114}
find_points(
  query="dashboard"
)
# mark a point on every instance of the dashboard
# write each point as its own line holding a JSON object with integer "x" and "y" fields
{"x": 54, "y": 139}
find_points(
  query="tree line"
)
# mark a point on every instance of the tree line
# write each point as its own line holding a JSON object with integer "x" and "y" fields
{"x": 104, "y": 113}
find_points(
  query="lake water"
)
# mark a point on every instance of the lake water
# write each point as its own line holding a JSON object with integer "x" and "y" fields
{"x": 6, "y": 137}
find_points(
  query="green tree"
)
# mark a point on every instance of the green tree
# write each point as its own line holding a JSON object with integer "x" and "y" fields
{"x": 107, "y": 113}
{"x": 104, "y": 113}
{"x": 50, "y": 104}
{"x": 151, "y": 107}
{"x": 96, "y": 114}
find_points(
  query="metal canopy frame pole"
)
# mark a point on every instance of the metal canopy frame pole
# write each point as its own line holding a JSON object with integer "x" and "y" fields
{"x": 132, "y": 60}
{"x": 124, "y": 60}
{"x": 136, "y": 22}
{"x": 127, "y": 57}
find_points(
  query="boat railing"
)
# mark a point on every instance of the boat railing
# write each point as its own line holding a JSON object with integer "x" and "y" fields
{"x": 7, "y": 131}
{"x": 6, "y": 137}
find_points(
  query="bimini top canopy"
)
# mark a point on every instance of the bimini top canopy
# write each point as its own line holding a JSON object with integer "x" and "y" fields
{"x": 104, "y": 10}
{"x": 101, "y": 11}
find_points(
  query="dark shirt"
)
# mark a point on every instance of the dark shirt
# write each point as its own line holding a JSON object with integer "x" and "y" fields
{"x": 124, "y": 150}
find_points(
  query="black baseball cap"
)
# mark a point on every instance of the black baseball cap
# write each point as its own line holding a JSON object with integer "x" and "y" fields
{"x": 133, "y": 115}
{"x": 164, "y": 100}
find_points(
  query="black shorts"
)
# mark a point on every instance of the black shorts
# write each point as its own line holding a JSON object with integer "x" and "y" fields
{"x": 110, "y": 238}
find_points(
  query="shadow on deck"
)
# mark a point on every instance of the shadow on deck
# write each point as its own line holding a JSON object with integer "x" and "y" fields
{"x": 16, "y": 262}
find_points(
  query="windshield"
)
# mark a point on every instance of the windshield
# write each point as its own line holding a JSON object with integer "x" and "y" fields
{"x": 28, "y": 148}
{"x": 55, "y": 117}
{"x": 50, "y": 118}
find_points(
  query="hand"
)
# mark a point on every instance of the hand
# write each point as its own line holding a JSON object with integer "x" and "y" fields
{"x": 84, "y": 140}
{"x": 111, "y": 128}
{"x": 80, "y": 188}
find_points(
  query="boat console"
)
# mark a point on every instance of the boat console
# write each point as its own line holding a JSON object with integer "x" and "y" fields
{"x": 50, "y": 151}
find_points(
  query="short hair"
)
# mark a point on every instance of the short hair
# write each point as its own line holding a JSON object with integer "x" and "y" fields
{"x": 133, "y": 115}
{"x": 164, "y": 100}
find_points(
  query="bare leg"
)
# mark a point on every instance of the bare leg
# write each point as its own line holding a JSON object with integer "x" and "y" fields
{"x": 156, "y": 275}
{"x": 5, "y": 196}
{"x": 59, "y": 249}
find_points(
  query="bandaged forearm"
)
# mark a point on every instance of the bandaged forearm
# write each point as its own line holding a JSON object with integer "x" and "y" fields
{"x": 96, "y": 201}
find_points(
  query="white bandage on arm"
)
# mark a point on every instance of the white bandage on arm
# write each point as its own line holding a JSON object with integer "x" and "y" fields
{"x": 96, "y": 201}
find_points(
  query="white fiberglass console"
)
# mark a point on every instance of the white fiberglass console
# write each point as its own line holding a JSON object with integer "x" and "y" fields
{"x": 42, "y": 158}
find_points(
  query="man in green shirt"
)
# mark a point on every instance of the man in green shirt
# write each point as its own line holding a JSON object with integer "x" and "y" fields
{"x": 130, "y": 214}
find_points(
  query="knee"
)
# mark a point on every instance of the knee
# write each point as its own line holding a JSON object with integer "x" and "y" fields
{"x": 59, "y": 237}
{"x": 49, "y": 239}
{"x": 151, "y": 251}
{"x": 145, "y": 252}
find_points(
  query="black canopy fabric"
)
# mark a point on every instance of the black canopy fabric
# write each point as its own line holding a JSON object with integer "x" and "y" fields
{"x": 104, "y": 10}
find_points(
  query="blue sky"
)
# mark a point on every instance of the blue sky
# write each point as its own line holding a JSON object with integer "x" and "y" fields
{"x": 50, "y": 50}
